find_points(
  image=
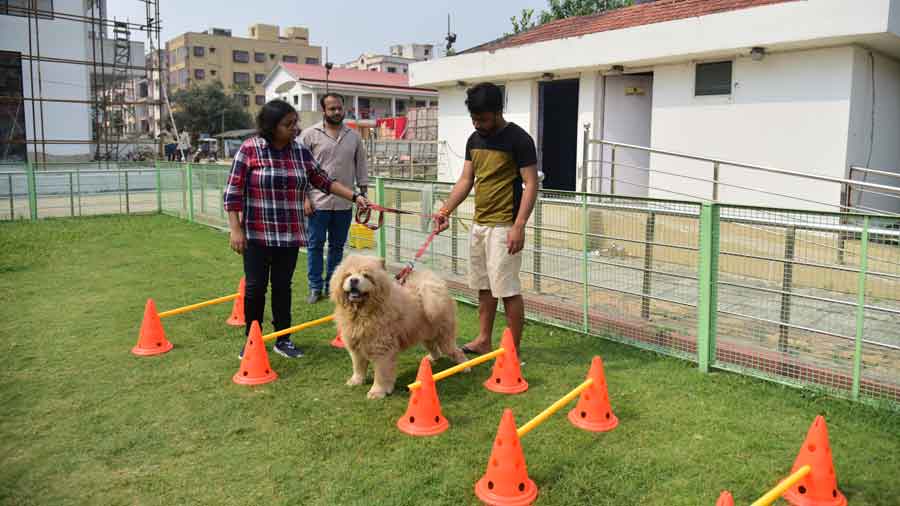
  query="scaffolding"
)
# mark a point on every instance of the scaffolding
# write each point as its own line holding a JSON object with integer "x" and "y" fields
{"x": 111, "y": 87}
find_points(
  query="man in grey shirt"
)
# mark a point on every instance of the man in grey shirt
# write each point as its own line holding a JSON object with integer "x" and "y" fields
{"x": 340, "y": 152}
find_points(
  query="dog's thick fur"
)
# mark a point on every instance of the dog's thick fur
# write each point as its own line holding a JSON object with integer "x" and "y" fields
{"x": 378, "y": 318}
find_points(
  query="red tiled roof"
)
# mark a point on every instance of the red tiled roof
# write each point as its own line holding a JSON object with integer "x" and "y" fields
{"x": 627, "y": 17}
{"x": 349, "y": 76}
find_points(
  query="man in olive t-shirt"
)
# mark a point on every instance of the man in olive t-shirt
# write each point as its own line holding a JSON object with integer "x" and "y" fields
{"x": 500, "y": 160}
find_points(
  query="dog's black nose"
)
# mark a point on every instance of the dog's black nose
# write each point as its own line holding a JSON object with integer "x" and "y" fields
{"x": 354, "y": 282}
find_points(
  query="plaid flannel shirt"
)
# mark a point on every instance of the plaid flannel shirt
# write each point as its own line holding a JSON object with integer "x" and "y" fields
{"x": 268, "y": 187}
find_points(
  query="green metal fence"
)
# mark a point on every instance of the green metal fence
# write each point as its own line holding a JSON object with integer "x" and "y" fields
{"x": 799, "y": 297}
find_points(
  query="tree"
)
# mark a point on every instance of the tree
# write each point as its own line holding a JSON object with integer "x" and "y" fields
{"x": 209, "y": 109}
{"x": 562, "y": 9}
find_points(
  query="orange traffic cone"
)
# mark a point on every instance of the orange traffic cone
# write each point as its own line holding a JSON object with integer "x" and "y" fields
{"x": 506, "y": 377}
{"x": 255, "y": 368}
{"x": 423, "y": 414}
{"x": 819, "y": 487}
{"x": 593, "y": 411}
{"x": 725, "y": 499}
{"x": 337, "y": 342}
{"x": 152, "y": 339}
{"x": 506, "y": 482}
{"x": 237, "y": 310}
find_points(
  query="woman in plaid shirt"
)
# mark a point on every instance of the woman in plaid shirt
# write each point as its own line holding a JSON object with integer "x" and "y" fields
{"x": 264, "y": 196}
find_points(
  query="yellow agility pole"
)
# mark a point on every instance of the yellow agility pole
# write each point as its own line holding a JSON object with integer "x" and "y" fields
{"x": 185, "y": 309}
{"x": 782, "y": 487}
{"x": 295, "y": 328}
{"x": 459, "y": 367}
{"x": 545, "y": 414}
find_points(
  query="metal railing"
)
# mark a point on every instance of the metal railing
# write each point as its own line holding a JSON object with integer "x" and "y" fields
{"x": 845, "y": 187}
{"x": 802, "y": 297}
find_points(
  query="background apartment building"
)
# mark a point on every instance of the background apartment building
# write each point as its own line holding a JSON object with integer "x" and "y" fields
{"x": 216, "y": 55}
{"x": 397, "y": 62}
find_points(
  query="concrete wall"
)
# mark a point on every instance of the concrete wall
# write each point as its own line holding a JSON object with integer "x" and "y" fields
{"x": 790, "y": 110}
{"x": 58, "y": 39}
{"x": 876, "y": 148}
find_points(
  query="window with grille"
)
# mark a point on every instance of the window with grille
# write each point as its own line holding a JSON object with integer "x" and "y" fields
{"x": 240, "y": 56}
{"x": 712, "y": 79}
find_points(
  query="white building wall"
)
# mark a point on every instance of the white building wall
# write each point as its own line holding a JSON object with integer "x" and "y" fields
{"x": 454, "y": 127}
{"x": 790, "y": 110}
{"x": 876, "y": 148}
{"x": 455, "y": 124}
{"x": 58, "y": 39}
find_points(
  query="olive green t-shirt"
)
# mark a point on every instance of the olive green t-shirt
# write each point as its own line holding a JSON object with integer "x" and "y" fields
{"x": 496, "y": 161}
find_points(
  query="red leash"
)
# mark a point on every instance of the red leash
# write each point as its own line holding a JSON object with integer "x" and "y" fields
{"x": 364, "y": 214}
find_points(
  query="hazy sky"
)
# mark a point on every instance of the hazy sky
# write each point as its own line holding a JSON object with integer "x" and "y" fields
{"x": 346, "y": 27}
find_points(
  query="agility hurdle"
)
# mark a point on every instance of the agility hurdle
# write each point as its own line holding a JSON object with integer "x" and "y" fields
{"x": 446, "y": 373}
{"x": 191, "y": 307}
{"x": 295, "y": 328}
{"x": 813, "y": 481}
{"x": 506, "y": 377}
{"x": 556, "y": 406}
{"x": 152, "y": 338}
{"x": 506, "y": 481}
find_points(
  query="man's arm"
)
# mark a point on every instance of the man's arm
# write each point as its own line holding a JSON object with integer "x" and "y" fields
{"x": 457, "y": 195}
{"x": 362, "y": 168}
{"x": 515, "y": 240}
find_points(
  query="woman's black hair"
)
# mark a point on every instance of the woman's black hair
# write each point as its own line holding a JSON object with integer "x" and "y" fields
{"x": 270, "y": 115}
{"x": 484, "y": 97}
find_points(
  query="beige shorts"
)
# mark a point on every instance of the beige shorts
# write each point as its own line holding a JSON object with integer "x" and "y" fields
{"x": 491, "y": 267}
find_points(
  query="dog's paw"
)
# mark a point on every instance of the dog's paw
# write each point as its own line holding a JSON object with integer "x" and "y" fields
{"x": 356, "y": 381}
{"x": 377, "y": 393}
{"x": 467, "y": 370}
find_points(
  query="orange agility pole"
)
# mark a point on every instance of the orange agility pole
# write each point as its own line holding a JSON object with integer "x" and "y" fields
{"x": 255, "y": 368}
{"x": 423, "y": 414}
{"x": 725, "y": 499}
{"x": 152, "y": 338}
{"x": 237, "y": 310}
{"x": 506, "y": 481}
{"x": 185, "y": 309}
{"x": 819, "y": 486}
{"x": 593, "y": 412}
{"x": 506, "y": 376}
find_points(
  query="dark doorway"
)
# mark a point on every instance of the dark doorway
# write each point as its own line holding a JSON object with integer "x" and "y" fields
{"x": 558, "y": 132}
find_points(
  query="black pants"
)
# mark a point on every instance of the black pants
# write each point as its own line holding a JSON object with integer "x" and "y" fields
{"x": 262, "y": 263}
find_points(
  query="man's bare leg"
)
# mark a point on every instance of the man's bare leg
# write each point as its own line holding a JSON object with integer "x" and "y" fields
{"x": 515, "y": 317}
{"x": 487, "y": 311}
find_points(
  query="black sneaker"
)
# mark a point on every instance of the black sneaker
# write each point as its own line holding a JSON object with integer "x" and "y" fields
{"x": 286, "y": 348}
{"x": 241, "y": 354}
{"x": 314, "y": 297}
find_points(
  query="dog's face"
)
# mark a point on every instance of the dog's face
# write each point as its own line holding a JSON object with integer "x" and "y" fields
{"x": 358, "y": 279}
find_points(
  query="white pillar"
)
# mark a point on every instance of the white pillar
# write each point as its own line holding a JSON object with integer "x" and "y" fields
{"x": 393, "y": 107}
{"x": 356, "y": 106}
{"x": 315, "y": 102}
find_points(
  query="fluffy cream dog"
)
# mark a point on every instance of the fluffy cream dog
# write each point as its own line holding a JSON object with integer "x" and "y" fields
{"x": 378, "y": 318}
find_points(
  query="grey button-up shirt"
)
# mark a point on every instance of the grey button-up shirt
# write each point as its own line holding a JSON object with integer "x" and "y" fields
{"x": 343, "y": 159}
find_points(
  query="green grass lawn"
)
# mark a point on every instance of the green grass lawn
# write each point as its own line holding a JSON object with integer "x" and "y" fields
{"x": 82, "y": 421}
